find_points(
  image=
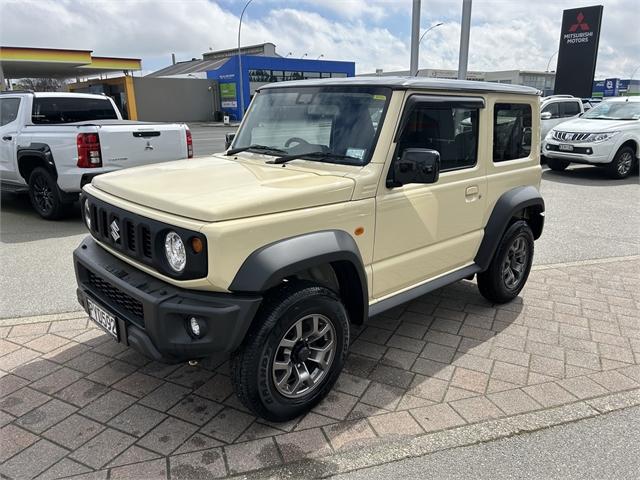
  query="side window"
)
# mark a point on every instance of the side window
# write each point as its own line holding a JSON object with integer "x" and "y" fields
{"x": 511, "y": 131}
{"x": 553, "y": 109}
{"x": 8, "y": 110}
{"x": 449, "y": 129}
{"x": 569, "y": 109}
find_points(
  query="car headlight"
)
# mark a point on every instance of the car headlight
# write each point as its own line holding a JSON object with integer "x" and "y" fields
{"x": 86, "y": 214}
{"x": 600, "y": 137}
{"x": 175, "y": 252}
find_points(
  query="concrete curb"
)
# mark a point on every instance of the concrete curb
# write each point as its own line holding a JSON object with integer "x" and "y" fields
{"x": 370, "y": 456}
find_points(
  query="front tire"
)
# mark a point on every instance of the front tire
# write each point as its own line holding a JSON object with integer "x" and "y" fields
{"x": 622, "y": 163}
{"x": 557, "y": 165}
{"x": 46, "y": 198}
{"x": 510, "y": 267}
{"x": 294, "y": 352}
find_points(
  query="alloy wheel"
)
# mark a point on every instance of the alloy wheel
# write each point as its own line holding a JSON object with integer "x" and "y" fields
{"x": 42, "y": 194}
{"x": 625, "y": 163}
{"x": 515, "y": 263}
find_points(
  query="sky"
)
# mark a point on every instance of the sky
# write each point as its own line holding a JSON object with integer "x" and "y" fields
{"x": 505, "y": 34}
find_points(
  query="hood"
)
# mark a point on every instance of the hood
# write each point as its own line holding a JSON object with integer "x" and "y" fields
{"x": 586, "y": 125}
{"x": 214, "y": 188}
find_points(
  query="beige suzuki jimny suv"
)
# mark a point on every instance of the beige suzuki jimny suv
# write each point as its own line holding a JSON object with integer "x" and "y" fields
{"x": 337, "y": 200}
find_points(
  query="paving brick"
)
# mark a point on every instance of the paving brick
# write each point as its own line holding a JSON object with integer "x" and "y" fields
{"x": 152, "y": 469}
{"x": 547, "y": 366}
{"x": 470, "y": 380}
{"x": 68, "y": 325}
{"x": 82, "y": 392}
{"x": 395, "y": 424}
{"x": 198, "y": 465}
{"x": 583, "y": 359}
{"x": 364, "y": 410}
{"x": 57, "y": 380}
{"x": 632, "y": 371}
{"x": 476, "y": 333}
{"x": 46, "y": 343}
{"x": 66, "y": 352}
{"x": 582, "y": 387}
{"x": 43, "y": 417}
{"x": 196, "y": 443}
{"x": 512, "y": 342}
{"x": 195, "y": 409}
{"x": 392, "y": 376}
{"x": 7, "y": 347}
{"x": 413, "y": 330}
{"x": 74, "y": 431}
{"x": 514, "y": 401}
{"x": 138, "y": 384}
{"x": 63, "y": 469}
{"x": 429, "y": 388}
{"x": 476, "y": 409}
{"x": 508, "y": 372}
{"x": 22, "y": 401}
{"x": 368, "y": 349}
{"x": 349, "y": 434}
{"x": 438, "y": 353}
{"x": 159, "y": 369}
{"x": 257, "y": 430}
{"x": 431, "y": 368}
{"x": 217, "y": 388}
{"x": 360, "y": 366}
{"x": 616, "y": 353}
{"x": 133, "y": 454}
{"x": 406, "y": 343}
{"x": 190, "y": 377}
{"x": 304, "y": 444}
{"x": 336, "y": 405}
{"x": 16, "y": 358}
{"x": 33, "y": 460}
{"x": 549, "y": 394}
{"x": 165, "y": 396}
{"x": 107, "y": 406}
{"x": 88, "y": 362}
{"x": 443, "y": 338}
{"x": 112, "y": 372}
{"x": 437, "y": 417}
{"x": 613, "y": 381}
{"x": 133, "y": 357}
{"x": 14, "y": 439}
{"x": 383, "y": 396}
{"x": 100, "y": 450}
{"x": 252, "y": 455}
{"x": 351, "y": 384}
{"x": 545, "y": 350}
{"x": 228, "y": 425}
{"x": 29, "y": 329}
{"x": 375, "y": 335}
{"x": 510, "y": 356}
{"x": 137, "y": 420}
{"x": 36, "y": 369}
{"x": 11, "y": 383}
{"x": 578, "y": 344}
{"x": 475, "y": 347}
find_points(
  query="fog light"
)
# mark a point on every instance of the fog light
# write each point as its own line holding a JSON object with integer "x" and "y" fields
{"x": 194, "y": 325}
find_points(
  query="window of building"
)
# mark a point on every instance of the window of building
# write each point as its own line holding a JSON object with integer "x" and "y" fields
{"x": 451, "y": 130}
{"x": 8, "y": 110}
{"x": 553, "y": 109}
{"x": 511, "y": 131}
{"x": 569, "y": 109}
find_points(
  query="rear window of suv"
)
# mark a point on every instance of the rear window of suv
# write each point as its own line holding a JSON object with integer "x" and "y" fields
{"x": 56, "y": 110}
{"x": 511, "y": 131}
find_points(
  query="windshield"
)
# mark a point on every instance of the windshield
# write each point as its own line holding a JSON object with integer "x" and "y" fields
{"x": 615, "y": 111}
{"x": 341, "y": 123}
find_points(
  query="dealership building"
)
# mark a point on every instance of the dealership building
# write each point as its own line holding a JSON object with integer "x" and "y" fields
{"x": 260, "y": 65}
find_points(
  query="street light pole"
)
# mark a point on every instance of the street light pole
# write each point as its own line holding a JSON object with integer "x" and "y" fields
{"x": 551, "y": 58}
{"x": 420, "y": 41}
{"x": 415, "y": 34}
{"x": 463, "y": 58}
{"x": 240, "y": 62}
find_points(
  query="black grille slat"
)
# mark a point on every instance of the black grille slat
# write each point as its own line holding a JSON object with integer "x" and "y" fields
{"x": 130, "y": 232}
{"x": 109, "y": 292}
{"x": 146, "y": 242}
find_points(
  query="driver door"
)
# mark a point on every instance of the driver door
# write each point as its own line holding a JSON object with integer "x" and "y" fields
{"x": 424, "y": 231}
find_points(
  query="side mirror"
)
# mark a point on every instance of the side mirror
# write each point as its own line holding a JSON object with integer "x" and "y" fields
{"x": 416, "y": 165}
{"x": 228, "y": 140}
{"x": 545, "y": 116}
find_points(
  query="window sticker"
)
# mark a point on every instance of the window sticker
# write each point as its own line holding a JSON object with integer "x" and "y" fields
{"x": 356, "y": 153}
{"x": 379, "y": 97}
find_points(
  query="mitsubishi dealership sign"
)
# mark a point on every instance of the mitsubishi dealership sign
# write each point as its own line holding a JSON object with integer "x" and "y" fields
{"x": 578, "y": 51}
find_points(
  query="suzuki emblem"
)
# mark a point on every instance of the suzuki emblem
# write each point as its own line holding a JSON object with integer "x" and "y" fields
{"x": 115, "y": 231}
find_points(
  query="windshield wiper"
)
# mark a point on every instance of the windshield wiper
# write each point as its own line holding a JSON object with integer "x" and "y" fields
{"x": 264, "y": 148}
{"x": 288, "y": 158}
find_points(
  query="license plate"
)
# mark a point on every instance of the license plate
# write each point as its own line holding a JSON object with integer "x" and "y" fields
{"x": 566, "y": 148}
{"x": 103, "y": 318}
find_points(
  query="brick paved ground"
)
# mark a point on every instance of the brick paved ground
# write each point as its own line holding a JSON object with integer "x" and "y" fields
{"x": 73, "y": 402}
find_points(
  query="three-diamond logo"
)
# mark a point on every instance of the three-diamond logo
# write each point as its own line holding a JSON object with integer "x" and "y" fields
{"x": 115, "y": 231}
{"x": 581, "y": 24}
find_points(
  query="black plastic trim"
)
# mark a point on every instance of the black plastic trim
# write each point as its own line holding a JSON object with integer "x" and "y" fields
{"x": 38, "y": 150}
{"x": 507, "y": 206}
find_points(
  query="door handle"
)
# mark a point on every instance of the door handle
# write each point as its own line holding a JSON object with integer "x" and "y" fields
{"x": 7, "y": 138}
{"x": 471, "y": 191}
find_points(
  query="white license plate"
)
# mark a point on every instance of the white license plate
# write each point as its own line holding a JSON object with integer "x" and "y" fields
{"x": 103, "y": 318}
{"x": 565, "y": 148}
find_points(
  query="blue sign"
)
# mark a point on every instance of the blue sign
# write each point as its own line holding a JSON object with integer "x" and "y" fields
{"x": 611, "y": 87}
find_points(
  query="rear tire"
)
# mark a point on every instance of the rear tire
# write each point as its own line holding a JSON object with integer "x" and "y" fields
{"x": 46, "y": 198}
{"x": 622, "y": 164}
{"x": 274, "y": 371}
{"x": 510, "y": 266}
{"x": 557, "y": 165}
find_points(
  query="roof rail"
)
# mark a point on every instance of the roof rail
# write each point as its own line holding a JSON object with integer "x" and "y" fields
{"x": 16, "y": 91}
{"x": 559, "y": 96}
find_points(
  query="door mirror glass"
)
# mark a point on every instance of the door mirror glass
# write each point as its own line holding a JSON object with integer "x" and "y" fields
{"x": 228, "y": 140}
{"x": 545, "y": 116}
{"x": 416, "y": 165}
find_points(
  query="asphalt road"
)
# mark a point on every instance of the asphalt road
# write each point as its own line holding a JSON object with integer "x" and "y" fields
{"x": 588, "y": 216}
{"x": 602, "y": 447}
{"x": 207, "y": 140}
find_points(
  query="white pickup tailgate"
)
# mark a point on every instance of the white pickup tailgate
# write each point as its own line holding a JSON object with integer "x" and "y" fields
{"x": 131, "y": 145}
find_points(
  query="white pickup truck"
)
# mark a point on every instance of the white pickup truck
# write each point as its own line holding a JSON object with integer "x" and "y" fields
{"x": 52, "y": 144}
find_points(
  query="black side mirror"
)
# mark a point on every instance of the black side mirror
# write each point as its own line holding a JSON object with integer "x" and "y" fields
{"x": 416, "y": 165}
{"x": 228, "y": 140}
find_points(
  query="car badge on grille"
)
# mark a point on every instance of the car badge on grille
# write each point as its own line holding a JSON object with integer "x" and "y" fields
{"x": 115, "y": 231}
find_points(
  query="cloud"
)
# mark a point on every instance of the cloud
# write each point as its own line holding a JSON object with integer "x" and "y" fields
{"x": 506, "y": 34}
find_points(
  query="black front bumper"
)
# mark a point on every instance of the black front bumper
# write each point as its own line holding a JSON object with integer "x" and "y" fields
{"x": 152, "y": 315}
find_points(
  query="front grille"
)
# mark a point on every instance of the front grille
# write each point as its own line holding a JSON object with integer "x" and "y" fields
{"x": 126, "y": 302}
{"x": 570, "y": 136}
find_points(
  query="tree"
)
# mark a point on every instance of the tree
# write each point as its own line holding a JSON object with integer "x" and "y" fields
{"x": 39, "y": 84}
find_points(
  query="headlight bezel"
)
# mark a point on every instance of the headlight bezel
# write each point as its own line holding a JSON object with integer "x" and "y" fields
{"x": 593, "y": 137}
{"x": 175, "y": 251}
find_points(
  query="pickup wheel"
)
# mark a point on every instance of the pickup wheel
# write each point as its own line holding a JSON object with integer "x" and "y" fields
{"x": 509, "y": 269}
{"x": 557, "y": 165}
{"x": 46, "y": 198}
{"x": 294, "y": 352}
{"x": 622, "y": 163}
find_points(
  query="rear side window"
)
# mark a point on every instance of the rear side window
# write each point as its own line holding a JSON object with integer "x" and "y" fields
{"x": 451, "y": 130}
{"x": 553, "y": 109}
{"x": 54, "y": 110}
{"x": 8, "y": 110}
{"x": 569, "y": 109}
{"x": 511, "y": 131}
